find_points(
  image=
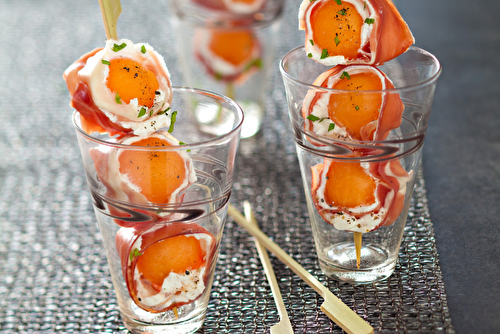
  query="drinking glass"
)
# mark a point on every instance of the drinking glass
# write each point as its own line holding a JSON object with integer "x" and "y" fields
{"x": 227, "y": 52}
{"x": 348, "y": 247}
{"x": 162, "y": 253}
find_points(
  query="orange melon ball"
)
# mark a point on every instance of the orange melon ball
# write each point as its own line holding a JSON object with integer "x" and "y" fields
{"x": 157, "y": 173}
{"x": 130, "y": 80}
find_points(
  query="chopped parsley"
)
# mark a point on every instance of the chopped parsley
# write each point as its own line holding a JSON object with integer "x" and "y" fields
{"x": 163, "y": 111}
{"x": 339, "y": 2}
{"x": 142, "y": 112}
{"x": 134, "y": 253}
{"x": 345, "y": 75}
{"x": 172, "y": 122}
{"x": 324, "y": 54}
{"x": 342, "y": 12}
{"x": 183, "y": 143}
{"x": 337, "y": 41}
{"x": 256, "y": 62}
{"x": 364, "y": 4}
{"x": 331, "y": 127}
{"x": 312, "y": 42}
{"x": 143, "y": 49}
{"x": 118, "y": 99}
{"x": 310, "y": 55}
{"x": 356, "y": 107}
{"x": 312, "y": 118}
{"x": 369, "y": 20}
{"x": 105, "y": 62}
{"x": 117, "y": 47}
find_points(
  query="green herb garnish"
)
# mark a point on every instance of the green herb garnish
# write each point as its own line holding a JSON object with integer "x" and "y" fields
{"x": 105, "y": 62}
{"x": 312, "y": 42}
{"x": 364, "y": 4}
{"x": 339, "y": 2}
{"x": 183, "y": 143}
{"x": 342, "y": 12}
{"x": 331, "y": 127}
{"x": 310, "y": 55}
{"x": 337, "y": 40}
{"x": 345, "y": 75}
{"x": 256, "y": 62}
{"x": 369, "y": 20}
{"x": 312, "y": 118}
{"x": 163, "y": 111}
{"x": 324, "y": 53}
{"x": 117, "y": 47}
{"x": 118, "y": 99}
{"x": 356, "y": 107}
{"x": 172, "y": 122}
{"x": 142, "y": 112}
{"x": 143, "y": 49}
{"x": 133, "y": 254}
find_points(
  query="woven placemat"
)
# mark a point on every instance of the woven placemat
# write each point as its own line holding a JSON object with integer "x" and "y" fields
{"x": 53, "y": 272}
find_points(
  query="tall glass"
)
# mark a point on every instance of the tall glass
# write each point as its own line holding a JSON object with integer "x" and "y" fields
{"x": 162, "y": 255}
{"x": 228, "y": 52}
{"x": 351, "y": 245}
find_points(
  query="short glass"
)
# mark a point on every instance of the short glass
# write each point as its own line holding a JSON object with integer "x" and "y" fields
{"x": 347, "y": 249}
{"x": 229, "y": 53}
{"x": 139, "y": 235}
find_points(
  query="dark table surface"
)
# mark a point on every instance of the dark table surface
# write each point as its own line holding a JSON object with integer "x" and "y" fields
{"x": 462, "y": 153}
{"x": 39, "y": 39}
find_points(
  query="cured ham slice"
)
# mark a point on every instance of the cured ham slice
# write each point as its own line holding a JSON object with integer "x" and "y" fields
{"x": 359, "y": 197}
{"x": 355, "y": 115}
{"x": 121, "y": 88}
{"x": 353, "y": 31}
{"x": 143, "y": 176}
{"x": 167, "y": 265}
{"x": 228, "y": 55}
{"x": 233, "y": 6}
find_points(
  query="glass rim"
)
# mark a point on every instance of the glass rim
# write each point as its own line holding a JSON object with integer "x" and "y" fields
{"x": 191, "y": 146}
{"x": 432, "y": 79}
{"x": 219, "y": 19}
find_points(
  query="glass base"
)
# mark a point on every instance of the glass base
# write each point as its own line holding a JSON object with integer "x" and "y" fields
{"x": 339, "y": 262}
{"x": 181, "y": 327}
{"x": 253, "y": 118}
{"x": 212, "y": 120}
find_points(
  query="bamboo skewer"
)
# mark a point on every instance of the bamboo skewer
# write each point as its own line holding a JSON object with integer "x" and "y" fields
{"x": 283, "y": 326}
{"x": 110, "y": 11}
{"x": 357, "y": 243}
{"x": 333, "y": 307}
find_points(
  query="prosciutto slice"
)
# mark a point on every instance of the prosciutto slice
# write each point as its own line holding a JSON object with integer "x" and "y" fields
{"x": 353, "y": 31}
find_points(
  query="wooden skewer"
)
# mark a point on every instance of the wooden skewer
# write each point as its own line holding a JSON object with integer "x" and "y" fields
{"x": 110, "y": 11}
{"x": 283, "y": 326}
{"x": 357, "y": 243}
{"x": 333, "y": 307}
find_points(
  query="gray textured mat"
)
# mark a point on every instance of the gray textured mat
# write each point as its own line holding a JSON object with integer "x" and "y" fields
{"x": 53, "y": 272}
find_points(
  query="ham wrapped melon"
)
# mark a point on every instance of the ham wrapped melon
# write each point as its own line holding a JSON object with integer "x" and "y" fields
{"x": 353, "y": 31}
{"x": 167, "y": 265}
{"x": 354, "y": 115}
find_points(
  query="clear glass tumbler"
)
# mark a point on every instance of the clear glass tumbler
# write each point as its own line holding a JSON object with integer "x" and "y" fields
{"x": 359, "y": 243}
{"x": 228, "y": 52}
{"x": 162, "y": 251}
